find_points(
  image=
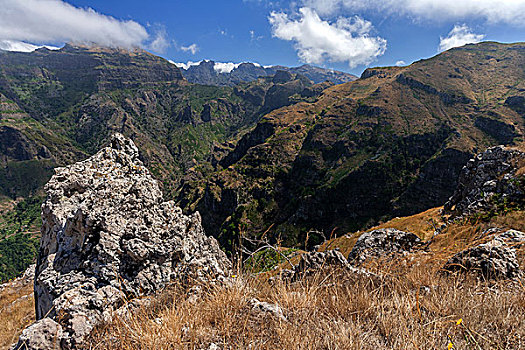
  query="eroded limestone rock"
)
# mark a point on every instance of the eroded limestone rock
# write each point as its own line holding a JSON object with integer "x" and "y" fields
{"x": 108, "y": 236}
{"x": 494, "y": 259}
{"x": 313, "y": 262}
{"x": 44, "y": 334}
{"x": 382, "y": 242}
{"x": 490, "y": 180}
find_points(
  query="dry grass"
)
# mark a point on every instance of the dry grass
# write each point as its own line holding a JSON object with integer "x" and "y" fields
{"x": 17, "y": 310}
{"x": 414, "y": 306}
{"x": 416, "y": 309}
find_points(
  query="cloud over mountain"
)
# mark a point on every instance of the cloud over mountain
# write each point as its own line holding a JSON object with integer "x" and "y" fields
{"x": 55, "y": 21}
{"x": 459, "y": 35}
{"x": 193, "y": 48}
{"x": 316, "y": 41}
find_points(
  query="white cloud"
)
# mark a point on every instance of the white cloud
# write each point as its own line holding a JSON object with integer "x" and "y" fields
{"x": 254, "y": 36}
{"x": 225, "y": 67}
{"x": 193, "y": 48}
{"x": 400, "y": 63}
{"x": 20, "y": 46}
{"x": 219, "y": 67}
{"x": 56, "y": 21}
{"x": 316, "y": 41}
{"x": 186, "y": 65}
{"x": 493, "y": 11}
{"x": 459, "y": 35}
{"x": 160, "y": 42}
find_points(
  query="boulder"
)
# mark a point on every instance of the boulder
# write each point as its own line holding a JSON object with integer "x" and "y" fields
{"x": 490, "y": 180}
{"x": 44, "y": 334}
{"x": 494, "y": 259}
{"x": 263, "y": 308}
{"x": 313, "y": 262}
{"x": 382, "y": 242}
{"x": 107, "y": 237}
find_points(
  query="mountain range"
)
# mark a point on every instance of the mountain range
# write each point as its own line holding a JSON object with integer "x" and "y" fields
{"x": 389, "y": 144}
{"x": 208, "y": 72}
{"x": 262, "y": 154}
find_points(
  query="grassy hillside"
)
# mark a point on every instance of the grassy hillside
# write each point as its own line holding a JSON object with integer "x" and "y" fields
{"x": 411, "y": 306}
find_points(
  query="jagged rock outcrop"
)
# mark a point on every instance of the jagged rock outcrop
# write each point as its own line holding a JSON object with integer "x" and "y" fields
{"x": 494, "y": 259}
{"x": 492, "y": 179}
{"x": 382, "y": 242}
{"x": 107, "y": 236}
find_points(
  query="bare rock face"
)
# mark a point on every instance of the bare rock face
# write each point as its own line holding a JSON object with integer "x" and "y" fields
{"x": 494, "y": 259}
{"x": 491, "y": 179}
{"x": 382, "y": 242}
{"x": 314, "y": 261}
{"x": 108, "y": 236}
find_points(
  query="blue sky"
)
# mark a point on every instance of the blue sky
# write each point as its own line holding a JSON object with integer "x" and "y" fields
{"x": 348, "y": 35}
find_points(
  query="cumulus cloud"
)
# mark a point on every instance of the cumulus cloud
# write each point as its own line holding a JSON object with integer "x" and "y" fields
{"x": 193, "y": 48}
{"x": 219, "y": 67}
{"x": 400, "y": 63}
{"x": 459, "y": 35}
{"x": 493, "y": 11}
{"x": 20, "y": 46}
{"x": 317, "y": 41}
{"x": 55, "y": 21}
{"x": 225, "y": 67}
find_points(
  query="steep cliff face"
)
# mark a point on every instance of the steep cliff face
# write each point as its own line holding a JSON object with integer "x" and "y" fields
{"x": 391, "y": 143}
{"x": 490, "y": 183}
{"x": 28, "y": 151}
{"x": 57, "y": 107}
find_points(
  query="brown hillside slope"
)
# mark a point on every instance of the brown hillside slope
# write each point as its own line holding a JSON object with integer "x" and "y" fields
{"x": 391, "y": 143}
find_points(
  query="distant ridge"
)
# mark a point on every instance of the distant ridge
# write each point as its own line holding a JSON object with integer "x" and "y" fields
{"x": 209, "y": 72}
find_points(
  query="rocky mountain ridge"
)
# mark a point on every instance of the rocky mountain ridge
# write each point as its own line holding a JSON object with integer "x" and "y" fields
{"x": 208, "y": 72}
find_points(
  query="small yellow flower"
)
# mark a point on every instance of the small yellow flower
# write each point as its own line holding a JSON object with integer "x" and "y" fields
{"x": 458, "y": 322}
{"x": 234, "y": 276}
{"x": 450, "y": 346}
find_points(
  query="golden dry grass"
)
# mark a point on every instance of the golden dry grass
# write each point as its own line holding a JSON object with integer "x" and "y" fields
{"x": 17, "y": 310}
{"x": 413, "y": 306}
{"x": 418, "y": 309}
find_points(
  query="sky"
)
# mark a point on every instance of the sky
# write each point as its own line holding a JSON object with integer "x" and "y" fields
{"x": 347, "y": 35}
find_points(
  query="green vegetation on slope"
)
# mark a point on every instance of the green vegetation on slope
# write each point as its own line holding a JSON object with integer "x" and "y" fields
{"x": 19, "y": 232}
